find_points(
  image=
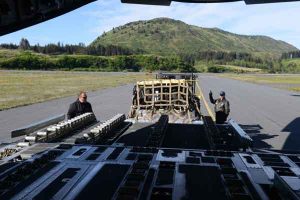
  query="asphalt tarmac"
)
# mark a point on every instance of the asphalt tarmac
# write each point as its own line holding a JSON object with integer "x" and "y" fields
{"x": 269, "y": 115}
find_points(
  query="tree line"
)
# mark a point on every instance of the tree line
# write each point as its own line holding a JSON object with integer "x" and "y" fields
{"x": 242, "y": 59}
{"x": 60, "y": 48}
{"x": 290, "y": 55}
{"x": 31, "y": 61}
{"x": 221, "y": 56}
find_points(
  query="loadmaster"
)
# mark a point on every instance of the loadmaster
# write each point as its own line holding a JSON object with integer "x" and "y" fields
{"x": 222, "y": 107}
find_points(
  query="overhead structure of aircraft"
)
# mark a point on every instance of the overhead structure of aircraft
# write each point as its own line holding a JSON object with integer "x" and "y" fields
{"x": 19, "y": 14}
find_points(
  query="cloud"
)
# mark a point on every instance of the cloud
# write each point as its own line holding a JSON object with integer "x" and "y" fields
{"x": 275, "y": 20}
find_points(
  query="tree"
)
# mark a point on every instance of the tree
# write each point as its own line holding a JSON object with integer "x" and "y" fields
{"x": 24, "y": 44}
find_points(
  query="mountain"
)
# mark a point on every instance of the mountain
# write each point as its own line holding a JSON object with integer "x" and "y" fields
{"x": 167, "y": 36}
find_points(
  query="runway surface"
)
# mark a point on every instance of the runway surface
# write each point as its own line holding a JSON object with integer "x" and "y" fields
{"x": 270, "y": 116}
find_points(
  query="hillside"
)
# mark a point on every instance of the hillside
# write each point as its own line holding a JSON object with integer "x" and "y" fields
{"x": 167, "y": 36}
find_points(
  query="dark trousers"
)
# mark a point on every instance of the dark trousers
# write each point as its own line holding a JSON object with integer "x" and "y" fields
{"x": 221, "y": 117}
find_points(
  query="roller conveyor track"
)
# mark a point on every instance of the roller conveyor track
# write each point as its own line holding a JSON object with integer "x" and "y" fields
{"x": 107, "y": 139}
{"x": 227, "y": 136}
{"x": 217, "y": 139}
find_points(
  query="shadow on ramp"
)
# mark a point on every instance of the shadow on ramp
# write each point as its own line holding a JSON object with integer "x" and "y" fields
{"x": 254, "y": 131}
{"x": 293, "y": 140}
{"x": 136, "y": 135}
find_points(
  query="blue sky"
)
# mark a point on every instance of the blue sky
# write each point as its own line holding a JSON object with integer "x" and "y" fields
{"x": 280, "y": 21}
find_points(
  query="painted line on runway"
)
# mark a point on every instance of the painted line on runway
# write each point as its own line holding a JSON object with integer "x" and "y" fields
{"x": 205, "y": 102}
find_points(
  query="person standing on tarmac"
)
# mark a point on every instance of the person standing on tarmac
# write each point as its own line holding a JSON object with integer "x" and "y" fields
{"x": 80, "y": 106}
{"x": 222, "y": 107}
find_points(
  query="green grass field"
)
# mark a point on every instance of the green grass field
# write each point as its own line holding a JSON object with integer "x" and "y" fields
{"x": 242, "y": 69}
{"x": 27, "y": 87}
{"x": 290, "y": 82}
{"x": 203, "y": 67}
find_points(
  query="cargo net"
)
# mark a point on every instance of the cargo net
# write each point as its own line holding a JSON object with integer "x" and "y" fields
{"x": 174, "y": 98}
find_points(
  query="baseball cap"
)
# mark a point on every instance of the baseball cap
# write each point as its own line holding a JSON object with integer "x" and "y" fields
{"x": 222, "y": 93}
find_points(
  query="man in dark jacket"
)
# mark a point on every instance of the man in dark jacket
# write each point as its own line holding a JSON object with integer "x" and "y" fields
{"x": 222, "y": 107}
{"x": 80, "y": 106}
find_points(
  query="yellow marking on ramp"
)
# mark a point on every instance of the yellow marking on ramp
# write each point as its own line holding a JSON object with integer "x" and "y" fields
{"x": 205, "y": 102}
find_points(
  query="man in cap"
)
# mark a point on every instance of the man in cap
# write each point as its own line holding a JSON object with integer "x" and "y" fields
{"x": 80, "y": 106}
{"x": 222, "y": 107}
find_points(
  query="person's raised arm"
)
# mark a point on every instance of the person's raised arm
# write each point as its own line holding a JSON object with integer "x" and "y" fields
{"x": 212, "y": 100}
